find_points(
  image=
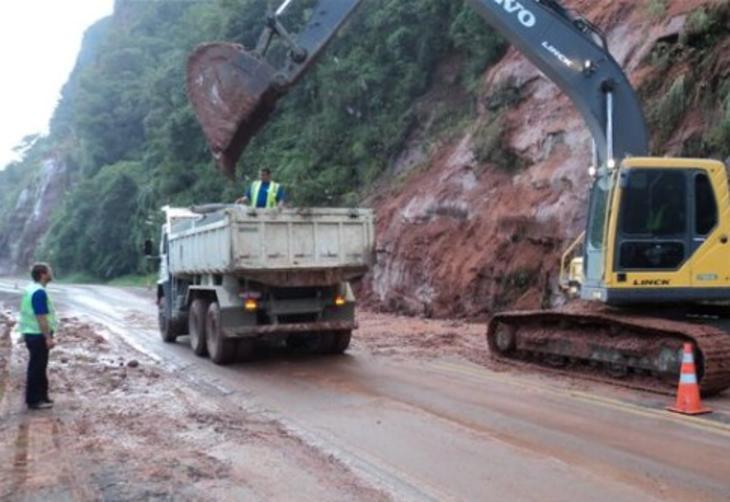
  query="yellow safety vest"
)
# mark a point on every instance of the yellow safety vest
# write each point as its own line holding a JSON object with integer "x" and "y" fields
{"x": 270, "y": 197}
{"x": 28, "y": 324}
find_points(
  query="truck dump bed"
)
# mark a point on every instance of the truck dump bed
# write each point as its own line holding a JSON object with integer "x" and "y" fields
{"x": 288, "y": 246}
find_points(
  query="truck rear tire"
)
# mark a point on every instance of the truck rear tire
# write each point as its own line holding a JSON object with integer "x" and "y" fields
{"x": 221, "y": 350}
{"x": 340, "y": 341}
{"x": 196, "y": 324}
{"x": 168, "y": 327}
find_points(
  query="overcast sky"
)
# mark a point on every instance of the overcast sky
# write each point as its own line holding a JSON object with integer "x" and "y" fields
{"x": 39, "y": 41}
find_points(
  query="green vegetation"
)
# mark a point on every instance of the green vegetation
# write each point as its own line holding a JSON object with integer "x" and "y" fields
{"x": 705, "y": 26}
{"x": 688, "y": 78}
{"x": 666, "y": 112}
{"x": 718, "y": 138}
{"x": 19, "y": 175}
{"x": 490, "y": 144}
{"x": 656, "y": 9}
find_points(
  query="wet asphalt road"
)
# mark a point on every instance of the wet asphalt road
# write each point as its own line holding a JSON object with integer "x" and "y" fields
{"x": 442, "y": 429}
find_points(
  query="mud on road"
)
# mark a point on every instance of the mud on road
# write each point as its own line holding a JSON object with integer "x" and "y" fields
{"x": 125, "y": 428}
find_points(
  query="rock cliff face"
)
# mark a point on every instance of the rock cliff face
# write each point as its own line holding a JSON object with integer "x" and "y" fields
{"x": 30, "y": 218}
{"x": 468, "y": 237}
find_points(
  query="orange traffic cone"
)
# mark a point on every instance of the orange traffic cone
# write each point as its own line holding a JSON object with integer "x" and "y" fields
{"x": 688, "y": 393}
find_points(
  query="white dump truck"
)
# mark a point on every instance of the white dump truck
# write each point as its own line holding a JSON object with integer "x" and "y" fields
{"x": 232, "y": 276}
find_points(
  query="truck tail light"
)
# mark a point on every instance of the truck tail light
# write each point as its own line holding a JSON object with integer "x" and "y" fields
{"x": 250, "y": 300}
{"x": 340, "y": 300}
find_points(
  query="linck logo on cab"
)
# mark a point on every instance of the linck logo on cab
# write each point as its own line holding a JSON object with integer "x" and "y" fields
{"x": 526, "y": 17}
{"x": 651, "y": 282}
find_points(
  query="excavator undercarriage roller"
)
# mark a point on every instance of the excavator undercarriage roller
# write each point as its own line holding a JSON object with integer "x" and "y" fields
{"x": 233, "y": 92}
{"x": 639, "y": 351}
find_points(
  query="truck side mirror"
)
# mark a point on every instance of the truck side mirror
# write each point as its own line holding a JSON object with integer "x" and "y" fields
{"x": 148, "y": 248}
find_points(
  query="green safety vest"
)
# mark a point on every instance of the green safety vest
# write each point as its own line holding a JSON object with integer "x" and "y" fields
{"x": 270, "y": 197}
{"x": 28, "y": 324}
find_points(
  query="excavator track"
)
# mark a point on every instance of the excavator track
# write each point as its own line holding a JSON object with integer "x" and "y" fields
{"x": 626, "y": 349}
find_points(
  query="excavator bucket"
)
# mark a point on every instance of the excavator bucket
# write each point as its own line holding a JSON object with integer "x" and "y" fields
{"x": 232, "y": 93}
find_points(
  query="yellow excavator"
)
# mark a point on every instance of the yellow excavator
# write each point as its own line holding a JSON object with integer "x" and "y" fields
{"x": 652, "y": 270}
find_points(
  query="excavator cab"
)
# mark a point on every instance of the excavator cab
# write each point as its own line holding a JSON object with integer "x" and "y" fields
{"x": 658, "y": 232}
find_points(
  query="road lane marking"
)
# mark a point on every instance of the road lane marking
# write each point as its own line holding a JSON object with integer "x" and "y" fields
{"x": 584, "y": 397}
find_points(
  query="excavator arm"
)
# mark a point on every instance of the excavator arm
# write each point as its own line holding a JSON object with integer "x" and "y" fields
{"x": 233, "y": 91}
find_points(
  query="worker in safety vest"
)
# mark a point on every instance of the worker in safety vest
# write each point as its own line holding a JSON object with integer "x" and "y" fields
{"x": 37, "y": 324}
{"x": 264, "y": 193}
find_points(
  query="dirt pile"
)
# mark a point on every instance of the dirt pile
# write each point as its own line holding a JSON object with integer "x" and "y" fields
{"x": 409, "y": 338}
{"x": 481, "y": 225}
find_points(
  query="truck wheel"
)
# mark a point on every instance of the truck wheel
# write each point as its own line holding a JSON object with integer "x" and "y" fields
{"x": 167, "y": 326}
{"x": 340, "y": 341}
{"x": 196, "y": 324}
{"x": 221, "y": 350}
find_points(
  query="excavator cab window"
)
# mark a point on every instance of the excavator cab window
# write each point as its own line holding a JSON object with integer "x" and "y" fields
{"x": 705, "y": 206}
{"x": 593, "y": 259}
{"x": 653, "y": 220}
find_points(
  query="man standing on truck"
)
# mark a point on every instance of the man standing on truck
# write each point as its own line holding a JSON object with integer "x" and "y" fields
{"x": 37, "y": 325}
{"x": 264, "y": 193}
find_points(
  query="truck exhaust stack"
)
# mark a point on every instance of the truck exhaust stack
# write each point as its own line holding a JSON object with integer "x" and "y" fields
{"x": 233, "y": 93}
